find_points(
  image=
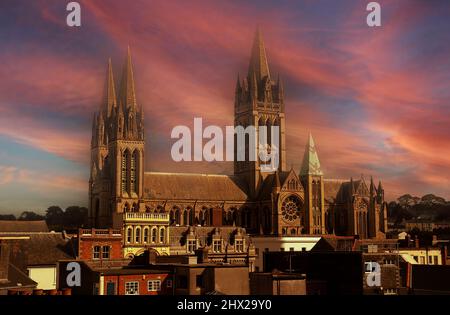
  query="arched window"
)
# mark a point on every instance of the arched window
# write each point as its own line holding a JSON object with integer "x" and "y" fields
{"x": 126, "y": 208}
{"x": 137, "y": 235}
{"x": 146, "y": 234}
{"x": 172, "y": 217}
{"x": 162, "y": 235}
{"x": 177, "y": 216}
{"x": 134, "y": 208}
{"x": 154, "y": 235}
{"x": 124, "y": 171}
{"x": 185, "y": 217}
{"x": 293, "y": 232}
{"x": 129, "y": 235}
{"x": 133, "y": 177}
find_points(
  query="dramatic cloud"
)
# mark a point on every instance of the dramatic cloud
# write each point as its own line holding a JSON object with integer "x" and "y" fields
{"x": 375, "y": 99}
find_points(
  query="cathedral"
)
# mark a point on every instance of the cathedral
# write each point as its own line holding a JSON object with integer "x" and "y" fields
{"x": 285, "y": 202}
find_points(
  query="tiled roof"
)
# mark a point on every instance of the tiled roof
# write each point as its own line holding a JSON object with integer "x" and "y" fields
{"x": 11, "y": 226}
{"x": 193, "y": 187}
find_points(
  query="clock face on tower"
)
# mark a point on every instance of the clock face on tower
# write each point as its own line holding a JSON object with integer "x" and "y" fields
{"x": 291, "y": 208}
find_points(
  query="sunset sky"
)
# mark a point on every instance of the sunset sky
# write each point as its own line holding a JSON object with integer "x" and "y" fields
{"x": 377, "y": 100}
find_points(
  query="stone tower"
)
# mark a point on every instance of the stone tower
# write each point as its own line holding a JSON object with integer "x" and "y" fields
{"x": 259, "y": 101}
{"x": 117, "y": 152}
{"x": 311, "y": 177}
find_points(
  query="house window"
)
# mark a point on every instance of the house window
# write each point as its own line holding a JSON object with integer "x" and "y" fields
{"x": 137, "y": 236}
{"x": 132, "y": 288}
{"x": 146, "y": 235}
{"x": 129, "y": 235}
{"x": 96, "y": 252}
{"x": 161, "y": 235}
{"x": 217, "y": 246}
{"x": 105, "y": 252}
{"x": 169, "y": 283}
{"x": 239, "y": 246}
{"x": 191, "y": 246}
{"x": 430, "y": 260}
{"x": 154, "y": 235}
{"x": 154, "y": 285}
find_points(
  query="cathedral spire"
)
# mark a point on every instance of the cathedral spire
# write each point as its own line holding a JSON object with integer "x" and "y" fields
{"x": 110, "y": 91}
{"x": 258, "y": 60}
{"x": 127, "y": 90}
{"x": 311, "y": 164}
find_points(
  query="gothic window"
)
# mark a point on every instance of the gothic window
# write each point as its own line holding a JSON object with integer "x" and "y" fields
{"x": 133, "y": 177}
{"x": 172, "y": 216}
{"x": 291, "y": 208}
{"x": 177, "y": 216}
{"x": 123, "y": 173}
{"x": 185, "y": 217}
{"x": 134, "y": 208}
{"x": 293, "y": 232}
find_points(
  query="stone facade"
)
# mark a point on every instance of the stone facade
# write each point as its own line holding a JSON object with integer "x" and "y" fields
{"x": 283, "y": 202}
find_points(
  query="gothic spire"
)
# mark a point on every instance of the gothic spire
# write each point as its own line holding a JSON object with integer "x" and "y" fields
{"x": 311, "y": 164}
{"x": 127, "y": 90}
{"x": 110, "y": 91}
{"x": 258, "y": 60}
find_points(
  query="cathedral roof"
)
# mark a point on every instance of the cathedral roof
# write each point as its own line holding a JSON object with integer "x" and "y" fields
{"x": 193, "y": 187}
{"x": 310, "y": 164}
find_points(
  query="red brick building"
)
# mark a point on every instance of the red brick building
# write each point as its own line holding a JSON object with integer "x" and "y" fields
{"x": 99, "y": 245}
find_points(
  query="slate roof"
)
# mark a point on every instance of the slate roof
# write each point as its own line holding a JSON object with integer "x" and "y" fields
{"x": 193, "y": 187}
{"x": 42, "y": 249}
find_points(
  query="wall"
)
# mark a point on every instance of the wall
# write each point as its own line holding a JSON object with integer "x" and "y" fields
{"x": 142, "y": 279}
{"x": 274, "y": 244}
{"x": 45, "y": 276}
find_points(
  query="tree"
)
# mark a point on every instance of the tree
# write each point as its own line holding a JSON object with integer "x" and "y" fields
{"x": 7, "y": 217}
{"x": 54, "y": 217}
{"x": 30, "y": 216}
{"x": 75, "y": 216}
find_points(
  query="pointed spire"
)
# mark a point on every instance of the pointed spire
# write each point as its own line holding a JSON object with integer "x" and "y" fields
{"x": 380, "y": 187}
{"x": 110, "y": 91}
{"x": 277, "y": 183}
{"x": 258, "y": 60}
{"x": 127, "y": 90}
{"x": 311, "y": 163}
{"x": 238, "y": 84}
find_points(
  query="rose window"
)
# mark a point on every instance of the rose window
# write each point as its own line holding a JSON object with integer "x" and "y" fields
{"x": 290, "y": 208}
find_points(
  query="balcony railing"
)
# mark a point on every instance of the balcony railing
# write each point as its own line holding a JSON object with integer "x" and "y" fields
{"x": 143, "y": 216}
{"x": 94, "y": 232}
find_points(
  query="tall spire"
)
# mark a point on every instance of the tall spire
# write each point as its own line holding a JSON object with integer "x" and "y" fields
{"x": 110, "y": 91}
{"x": 258, "y": 60}
{"x": 311, "y": 164}
{"x": 127, "y": 91}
